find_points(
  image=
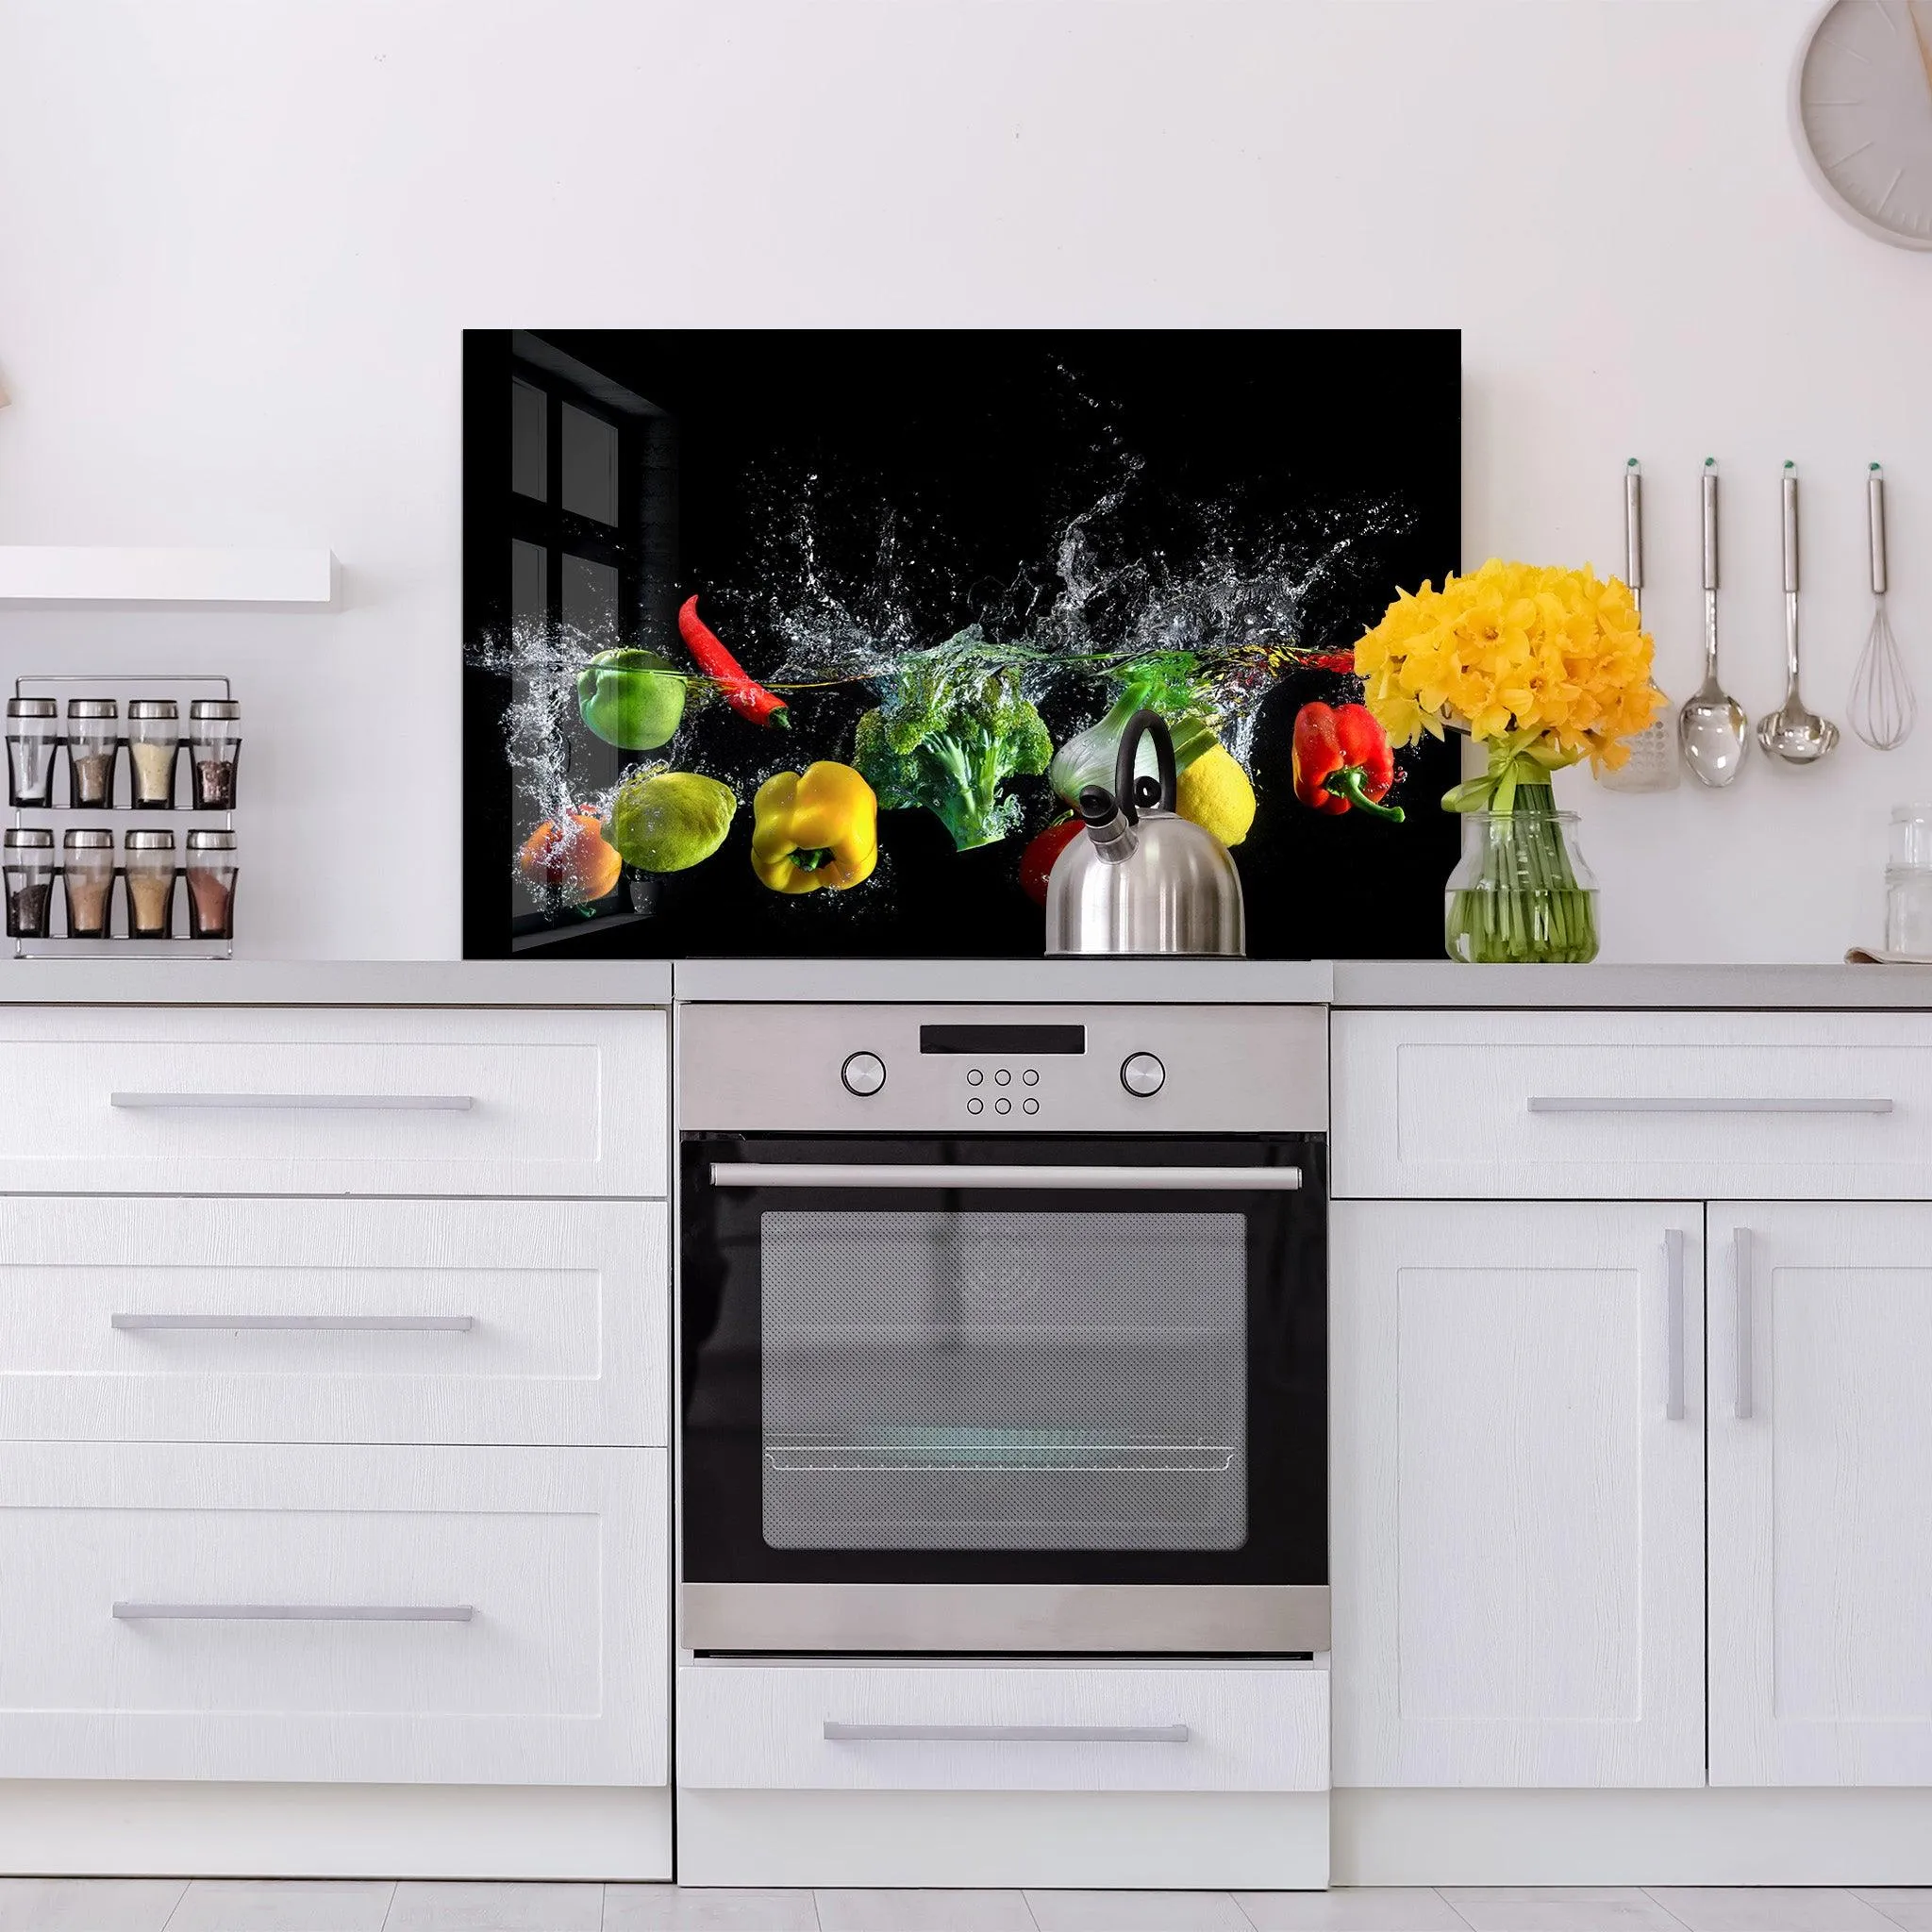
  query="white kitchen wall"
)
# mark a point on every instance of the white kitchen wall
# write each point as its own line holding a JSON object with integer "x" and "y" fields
{"x": 239, "y": 242}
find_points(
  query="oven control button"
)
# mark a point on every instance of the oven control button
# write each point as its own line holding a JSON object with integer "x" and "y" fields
{"x": 1003, "y": 1106}
{"x": 973, "y": 1105}
{"x": 864, "y": 1072}
{"x": 1031, "y": 1076}
{"x": 974, "y": 1077}
{"x": 1003, "y": 1078}
{"x": 1140, "y": 1073}
{"x": 1031, "y": 1105}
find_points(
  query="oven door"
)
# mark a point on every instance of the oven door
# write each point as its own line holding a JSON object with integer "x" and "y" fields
{"x": 1004, "y": 1394}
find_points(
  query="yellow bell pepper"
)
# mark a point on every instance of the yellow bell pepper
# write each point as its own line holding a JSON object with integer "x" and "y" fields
{"x": 819, "y": 829}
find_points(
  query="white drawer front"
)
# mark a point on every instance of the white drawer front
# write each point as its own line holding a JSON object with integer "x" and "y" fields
{"x": 1615, "y": 1105}
{"x": 208, "y": 1100}
{"x": 144, "y": 1318}
{"x": 557, "y": 1675}
{"x": 838, "y": 1727}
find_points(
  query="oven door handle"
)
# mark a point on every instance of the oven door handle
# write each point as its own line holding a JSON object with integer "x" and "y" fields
{"x": 1216, "y": 1180}
{"x": 837, "y": 1733}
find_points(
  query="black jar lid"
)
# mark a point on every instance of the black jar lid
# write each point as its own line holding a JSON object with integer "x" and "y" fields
{"x": 32, "y": 707}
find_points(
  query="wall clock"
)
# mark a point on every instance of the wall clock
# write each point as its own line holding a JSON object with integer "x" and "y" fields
{"x": 1862, "y": 113}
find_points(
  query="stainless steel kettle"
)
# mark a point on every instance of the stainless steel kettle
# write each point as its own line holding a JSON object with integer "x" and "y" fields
{"x": 1143, "y": 881}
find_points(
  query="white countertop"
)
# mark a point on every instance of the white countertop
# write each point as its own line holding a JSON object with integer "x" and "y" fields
{"x": 1345, "y": 983}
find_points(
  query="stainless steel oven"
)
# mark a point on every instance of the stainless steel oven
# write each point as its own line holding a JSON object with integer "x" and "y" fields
{"x": 1003, "y": 1329}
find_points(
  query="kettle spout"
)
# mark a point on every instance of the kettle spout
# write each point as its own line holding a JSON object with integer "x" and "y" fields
{"x": 1115, "y": 840}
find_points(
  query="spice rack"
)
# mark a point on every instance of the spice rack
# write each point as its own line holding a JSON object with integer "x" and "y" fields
{"x": 120, "y": 815}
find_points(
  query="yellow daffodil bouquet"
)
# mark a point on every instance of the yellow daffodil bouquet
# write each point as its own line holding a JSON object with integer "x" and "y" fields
{"x": 1546, "y": 667}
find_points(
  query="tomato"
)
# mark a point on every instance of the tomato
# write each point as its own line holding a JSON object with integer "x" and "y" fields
{"x": 1036, "y": 862}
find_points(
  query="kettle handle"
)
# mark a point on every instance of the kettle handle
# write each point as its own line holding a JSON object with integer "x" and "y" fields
{"x": 1154, "y": 723}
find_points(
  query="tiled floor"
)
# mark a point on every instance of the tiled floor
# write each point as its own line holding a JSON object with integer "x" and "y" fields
{"x": 208, "y": 1905}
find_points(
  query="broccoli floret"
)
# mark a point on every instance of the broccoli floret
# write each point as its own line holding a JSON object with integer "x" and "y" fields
{"x": 952, "y": 725}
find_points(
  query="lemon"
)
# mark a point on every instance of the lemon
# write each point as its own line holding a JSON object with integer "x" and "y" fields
{"x": 671, "y": 821}
{"x": 1214, "y": 792}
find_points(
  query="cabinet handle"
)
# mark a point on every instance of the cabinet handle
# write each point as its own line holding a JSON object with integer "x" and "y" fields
{"x": 1563, "y": 1103}
{"x": 1740, "y": 1277}
{"x": 1673, "y": 1325}
{"x": 387, "y": 1325}
{"x": 837, "y": 1733}
{"x": 295, "y": 1614}
{"x": 327, "y": 1103}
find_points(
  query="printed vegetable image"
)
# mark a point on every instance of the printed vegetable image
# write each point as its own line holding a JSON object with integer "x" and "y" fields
{"x": 1036, "y": 862}
{"x": 1342, "y": 760}
{"x": 572, "y": 860}
{"x": 951, "y": 728}
{"x": 1217, "y": 795}
{"x": 631, "y": 699}
{"x": 745, "y": 695}
{"x": 819, "y": 828}
{"x": 671, "y": 821}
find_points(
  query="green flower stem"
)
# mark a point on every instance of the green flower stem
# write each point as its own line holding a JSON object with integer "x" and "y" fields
{"x": 1527, "y": 906}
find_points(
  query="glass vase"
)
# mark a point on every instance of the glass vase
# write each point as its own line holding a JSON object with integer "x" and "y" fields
{"x": 1521, "y": 894}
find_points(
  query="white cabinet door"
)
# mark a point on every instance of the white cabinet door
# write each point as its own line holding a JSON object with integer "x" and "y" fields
{"x": 1517, "y": 1493}
{"x": 1821, "y": 1495}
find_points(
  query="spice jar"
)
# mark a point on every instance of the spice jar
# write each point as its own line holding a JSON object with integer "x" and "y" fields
{"x": 154, "y": 734}
{"x": 33, "y": 735}
{"x": 29, "y": 871}
{"x": 211, "y": 868}
{"x": 214, "y": 745}
{"x": 148, "y": 860}
{"x": 87, "y": 868}
{"x": 93, "y": 737}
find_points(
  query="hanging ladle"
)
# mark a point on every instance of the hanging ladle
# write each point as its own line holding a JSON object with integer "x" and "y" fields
{"x": 1793, "y": 733}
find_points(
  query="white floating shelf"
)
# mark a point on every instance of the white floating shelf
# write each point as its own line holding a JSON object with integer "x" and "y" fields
{"x": 53, "y": 576}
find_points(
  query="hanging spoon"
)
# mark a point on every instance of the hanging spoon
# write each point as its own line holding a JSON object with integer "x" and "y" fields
{"x": 1712, "y": 728}
{"x": 1794, "y": 734}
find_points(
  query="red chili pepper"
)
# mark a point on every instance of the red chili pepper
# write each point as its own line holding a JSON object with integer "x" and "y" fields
{"x": 1036, "y": 862}
{"x": 1342, "y": 760}
{"x": 745, "y": 695}
{"x": 1333, "y": 660}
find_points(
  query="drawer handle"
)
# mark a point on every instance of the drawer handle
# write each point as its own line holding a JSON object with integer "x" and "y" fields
{"x": 1213, "y": 1180}
{"x": 1560, "y": 1103}
{"x": 323, "y": 1103}
{"x": 837, "y": 1733}
{"x": 1673, "y": 1325}
{"x": 386, "y": 1325}
{"x": 296, "y": 1613}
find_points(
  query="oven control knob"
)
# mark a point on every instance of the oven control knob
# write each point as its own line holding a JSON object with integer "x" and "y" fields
{"x": 1141, "y": 1073}
{"x": 864, "y": 1072}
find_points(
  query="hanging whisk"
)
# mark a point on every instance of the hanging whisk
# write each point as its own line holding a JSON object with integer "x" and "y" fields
{"x": 1883, "y": 705}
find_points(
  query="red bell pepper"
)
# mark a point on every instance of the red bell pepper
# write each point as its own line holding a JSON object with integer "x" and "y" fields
{"x": 1343, "y": 760}
{"x": 1036, "y": 862}
{"x": 1333, "y": 660}
{"x": 745, "y": 695}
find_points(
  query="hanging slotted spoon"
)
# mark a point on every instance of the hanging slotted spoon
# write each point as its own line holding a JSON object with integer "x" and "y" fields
{"x": 1712, "y": 729}
{"x": 1883, "y": 706}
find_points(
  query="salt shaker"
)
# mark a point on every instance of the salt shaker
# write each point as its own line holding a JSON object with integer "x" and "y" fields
{"x": 214, "y": 745}
{"x": 149, "y": 863}
{"x": 33, "y": 735}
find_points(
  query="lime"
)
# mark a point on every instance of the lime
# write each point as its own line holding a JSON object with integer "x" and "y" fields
{"x": 671, "y": 821}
